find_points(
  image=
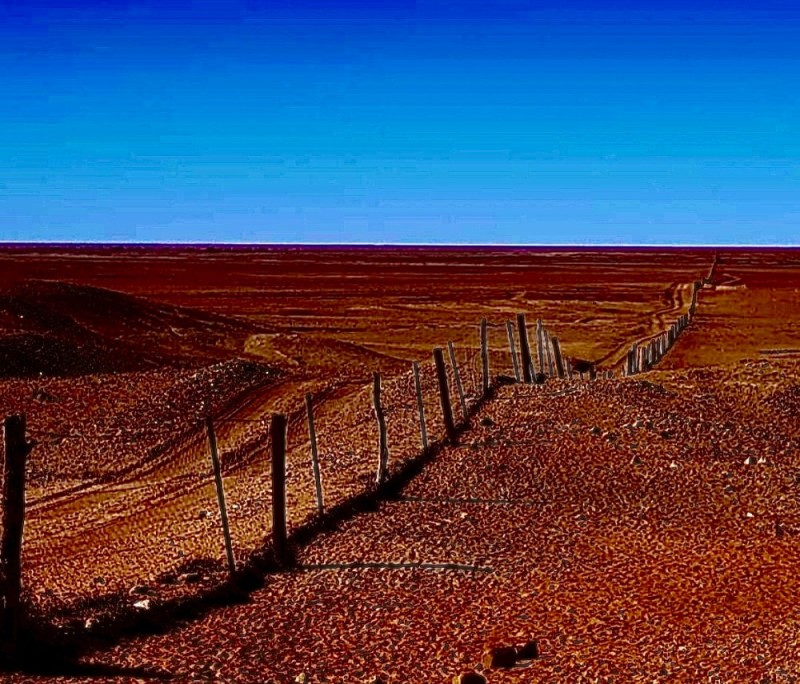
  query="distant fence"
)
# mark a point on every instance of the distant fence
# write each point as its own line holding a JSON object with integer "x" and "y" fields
{"x": 643, "y": 357}
{"x": 400, "y": 415}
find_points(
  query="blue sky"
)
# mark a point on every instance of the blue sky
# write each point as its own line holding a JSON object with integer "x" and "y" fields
{"x": 400, "y": 122}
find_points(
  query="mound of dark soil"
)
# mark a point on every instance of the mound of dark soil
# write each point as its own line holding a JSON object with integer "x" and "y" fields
{"x": 53, "y": 328}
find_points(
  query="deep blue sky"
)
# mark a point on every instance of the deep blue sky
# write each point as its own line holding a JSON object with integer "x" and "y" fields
{"x": 346, "y": 121}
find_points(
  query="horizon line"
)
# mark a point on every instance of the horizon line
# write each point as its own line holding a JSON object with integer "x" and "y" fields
{"x": 497, "y": 245}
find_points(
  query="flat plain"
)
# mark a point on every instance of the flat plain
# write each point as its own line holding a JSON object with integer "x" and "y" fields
{"x": 641, "y": 528}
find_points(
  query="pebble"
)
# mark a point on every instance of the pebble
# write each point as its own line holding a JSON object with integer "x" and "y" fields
{"x": 142, "y": 605}
{"x": 189, "y": 577}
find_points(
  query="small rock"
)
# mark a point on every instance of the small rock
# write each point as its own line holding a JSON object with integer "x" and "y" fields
{"x": 189, "y": 577}
{"x": 486, "y": 421}
{"x": 471, "y": 677}
{"x": 673, "y": 465}
{"x": 729, "y": 489}
{"x": 142, "y": 605}
{"x": 750, "y": 460}
{"x": 90, "y": 623}
{"x": 779, "y": 530}
{"x": 596, "y": 430}
{"x": 637, "y": 423}
{"x": 748, "y": 514}
{"x": 666, "y": 434}
{"x": 500, "y": 656}
{"x": 99, "y": 580}
{"x": 139, "y": 589}
{"x": 528, "y": 650}
{"x": 636, "y": 460}
{"x": 302, "y": 678}
{"x": 203, "y": 515}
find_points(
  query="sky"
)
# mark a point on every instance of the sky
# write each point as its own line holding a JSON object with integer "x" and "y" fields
{"x": 344, "y": 121}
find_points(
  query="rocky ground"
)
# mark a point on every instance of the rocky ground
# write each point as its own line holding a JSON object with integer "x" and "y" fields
{"x": 640, "y": 529}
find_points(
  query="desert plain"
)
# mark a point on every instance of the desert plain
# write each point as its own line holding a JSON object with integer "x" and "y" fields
{"x": 639, "y": 528}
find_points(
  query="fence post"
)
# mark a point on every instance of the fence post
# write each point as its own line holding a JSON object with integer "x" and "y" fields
{"x": 383, "y": 447}
{"x": 13, "y": 521}
{"x": 568, "y": 365}
{"x": 312, "y": 435}
{"x": 557, "y": 354}
{"x": 423, "y": 431}
{"x": 510, "y": 330}
{"x": 277, "y": 432}
{"x": 444, "y": 395}
{"x": 525, "y": 350}
{"x": 540, "y": 344}
{"x": 551, "y": 372}
{"x": 457, "y": 377}
{"x": 485, "y": 356}
{"x": 223, "y": 510}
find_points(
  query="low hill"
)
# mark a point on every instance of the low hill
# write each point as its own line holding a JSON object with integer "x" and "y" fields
{"x": 55, "y": 328}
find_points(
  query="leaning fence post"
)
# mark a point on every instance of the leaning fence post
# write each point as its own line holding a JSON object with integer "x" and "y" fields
{"x": 423, "y": 431}
{"x": 557, "y": 354}
{"x": 223, "y": 510}
{"x": 457, "y": 377}
{"x": 277, "y": 432}
{"x": 485, "y": 356}
{"x": 510, "y": 331}
{"x": 525, "y": 349}
{"x": 383, "y": 447}
{"x": 540, "y": 344}
{"x": 444, "y": 395}
{"x": 13, "y": 522}
{"x": 547, "y": 347}
{"x": 312, "y": 435}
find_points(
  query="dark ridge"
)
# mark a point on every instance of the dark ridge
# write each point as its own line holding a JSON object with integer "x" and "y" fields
{"x": 52, "y": 328}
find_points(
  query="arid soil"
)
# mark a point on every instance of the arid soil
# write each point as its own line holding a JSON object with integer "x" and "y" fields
{"x": 616, "y": 521}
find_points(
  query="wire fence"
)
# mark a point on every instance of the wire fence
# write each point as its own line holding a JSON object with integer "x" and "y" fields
{"x": 135, "y": 499}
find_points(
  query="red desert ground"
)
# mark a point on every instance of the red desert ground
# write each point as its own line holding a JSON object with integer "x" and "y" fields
{"x": 637, "y": 527}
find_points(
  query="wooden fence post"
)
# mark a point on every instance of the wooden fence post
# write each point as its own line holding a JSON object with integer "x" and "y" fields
{"x": 277, "y": 431}
{"x": 557, "y": 354}
{"x": 444, "y": 395}
{"x": 485, "y": 356}
{"x": 423, "y": 431}
{"x": 568, "y": 365}
{"x": 312, "y": 435}
{"x": 457, "y": 377}
{"x": 510, "y": 330}
{"x": 540, "y": 345}
{"x": 548, "y": 353}
{"x": 525, "y": 349}
{"x": 383, "y": 447}
{"x": 223, "y": 509}
{"x": 13, "y": 523}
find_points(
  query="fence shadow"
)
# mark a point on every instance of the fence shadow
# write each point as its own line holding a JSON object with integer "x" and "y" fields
{"x": 66, "y": 649}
